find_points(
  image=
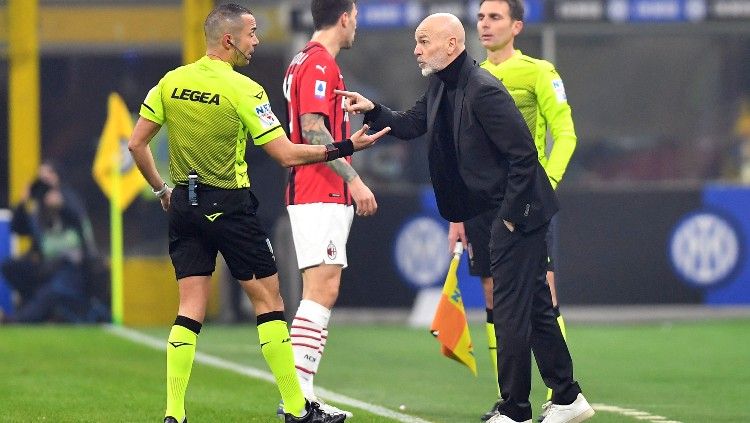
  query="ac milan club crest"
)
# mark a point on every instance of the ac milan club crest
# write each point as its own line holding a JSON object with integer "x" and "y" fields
{"x": 331, "y": 250}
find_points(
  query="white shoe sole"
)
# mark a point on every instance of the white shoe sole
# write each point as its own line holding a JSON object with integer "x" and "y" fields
{"x": 583, "y": 416}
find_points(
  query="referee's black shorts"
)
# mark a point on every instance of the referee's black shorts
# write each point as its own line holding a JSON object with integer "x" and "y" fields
{"x": 223, "y": 221}
{"x": 478, "y": 232}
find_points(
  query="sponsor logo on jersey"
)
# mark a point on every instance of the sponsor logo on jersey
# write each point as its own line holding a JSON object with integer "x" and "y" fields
{"x": 193, "y": 95}
{"x": 559, "y": 88}
{"x": 267, "y": 118}
{"x": 321, "y": 68}
{"x": 320, "y": 89}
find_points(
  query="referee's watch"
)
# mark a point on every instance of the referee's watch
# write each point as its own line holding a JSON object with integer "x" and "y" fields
{"x": 159, "y": 193}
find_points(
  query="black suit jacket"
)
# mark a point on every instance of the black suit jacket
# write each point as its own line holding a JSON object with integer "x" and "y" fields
{"x": 495, "y": 162}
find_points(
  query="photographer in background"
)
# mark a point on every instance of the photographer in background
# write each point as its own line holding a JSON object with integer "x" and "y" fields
{"x": 56, "y": 278}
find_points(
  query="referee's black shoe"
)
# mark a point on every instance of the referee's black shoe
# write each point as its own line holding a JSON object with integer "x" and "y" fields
{"x": 314, "y": 415}
{"x": 170, "y": 419}
{"x": 494, "y": 410}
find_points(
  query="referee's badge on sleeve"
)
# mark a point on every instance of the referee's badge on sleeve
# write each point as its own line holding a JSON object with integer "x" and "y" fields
{"x": 320, "y": 89}
{"x": 559, "y": 88}
{"x": 267, "y": 118}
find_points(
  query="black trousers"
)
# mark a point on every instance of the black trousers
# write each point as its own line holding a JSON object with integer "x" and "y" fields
{"x": 524, "y": 321}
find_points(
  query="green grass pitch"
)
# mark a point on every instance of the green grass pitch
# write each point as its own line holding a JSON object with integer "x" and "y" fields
{"x": 685, "y": 372}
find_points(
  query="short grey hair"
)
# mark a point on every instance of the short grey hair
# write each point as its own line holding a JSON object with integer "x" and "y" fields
{"x": 226, "y": 18}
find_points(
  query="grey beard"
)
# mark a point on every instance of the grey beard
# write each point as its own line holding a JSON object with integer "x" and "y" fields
{"x": 427, "y": 71}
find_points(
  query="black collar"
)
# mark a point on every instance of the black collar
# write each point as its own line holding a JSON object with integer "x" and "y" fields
{"x": 450, "y": 74}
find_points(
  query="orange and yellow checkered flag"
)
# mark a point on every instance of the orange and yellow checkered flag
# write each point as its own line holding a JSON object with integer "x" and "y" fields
{"x": 449, "y": 325}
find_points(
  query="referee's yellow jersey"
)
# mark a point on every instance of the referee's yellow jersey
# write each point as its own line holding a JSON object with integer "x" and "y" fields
{"x": 540, "y": 95}
{"x": 210, "y": 112}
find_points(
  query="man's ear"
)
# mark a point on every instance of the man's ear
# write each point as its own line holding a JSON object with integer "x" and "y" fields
{"x": 344, "y": 19}
{"x": 452, "y": 45}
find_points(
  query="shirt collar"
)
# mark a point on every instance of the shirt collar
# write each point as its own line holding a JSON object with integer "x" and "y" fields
{"x": 450, "y": 74}
{"x": 214, "y": 63}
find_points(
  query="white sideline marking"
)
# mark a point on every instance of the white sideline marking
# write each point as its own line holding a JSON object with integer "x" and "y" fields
{"x": 252, "y": 372}
{"x": 630, "y": 412}
{"x": 220, "y": 363}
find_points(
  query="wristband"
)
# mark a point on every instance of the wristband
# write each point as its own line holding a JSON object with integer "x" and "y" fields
{"x": 160, "y": 193}
{"x": 339, "y": 149}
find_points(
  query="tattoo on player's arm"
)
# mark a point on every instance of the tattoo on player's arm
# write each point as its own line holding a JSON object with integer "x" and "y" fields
{"x": 314, "y": 131}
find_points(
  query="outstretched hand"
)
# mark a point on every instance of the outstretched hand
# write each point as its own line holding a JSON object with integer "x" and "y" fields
{"x": 355, "y": 102}
{"x": 361, "y": 140}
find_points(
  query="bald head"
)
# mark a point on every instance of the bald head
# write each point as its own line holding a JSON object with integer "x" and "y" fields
{"x": 440, "y": 39}
{"x": 446, "y": 26}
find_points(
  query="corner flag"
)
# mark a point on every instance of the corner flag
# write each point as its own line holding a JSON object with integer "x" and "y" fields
{"x": 112, "y": 150}
{"x": 118, "y": 177}
{"x": 449, "y": 325}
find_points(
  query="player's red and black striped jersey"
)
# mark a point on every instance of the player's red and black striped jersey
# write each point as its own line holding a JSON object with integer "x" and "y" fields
{"x": 308, "y": 88}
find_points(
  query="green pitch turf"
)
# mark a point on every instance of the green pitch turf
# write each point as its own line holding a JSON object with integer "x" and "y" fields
{"x": 686, "y": 372}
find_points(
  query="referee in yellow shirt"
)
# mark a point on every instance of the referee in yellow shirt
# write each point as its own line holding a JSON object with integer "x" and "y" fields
{"x": 540, "y": 96}
{"x": 210, "y": 112}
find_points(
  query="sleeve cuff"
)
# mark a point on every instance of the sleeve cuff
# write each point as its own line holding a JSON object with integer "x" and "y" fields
{"x": 373, "y": 114}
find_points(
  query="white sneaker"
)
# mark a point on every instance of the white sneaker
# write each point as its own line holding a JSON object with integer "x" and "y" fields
{"x": 501, "y": 418}
{"x": 545, "y": 410}
{"x": 576, "y": 412}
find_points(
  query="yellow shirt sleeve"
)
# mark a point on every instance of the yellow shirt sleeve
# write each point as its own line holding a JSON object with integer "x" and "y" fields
{"x": 555, "y": 110}
{"x": 258, "y": 118}
{"x": 152, "y": 107}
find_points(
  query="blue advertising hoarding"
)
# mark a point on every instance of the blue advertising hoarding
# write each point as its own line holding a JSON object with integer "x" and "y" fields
{"x": 6, "y": 303}
{"x": 708, "y": 247}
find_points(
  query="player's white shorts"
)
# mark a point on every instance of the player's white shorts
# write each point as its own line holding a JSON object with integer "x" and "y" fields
{"x": 320, "y": 231}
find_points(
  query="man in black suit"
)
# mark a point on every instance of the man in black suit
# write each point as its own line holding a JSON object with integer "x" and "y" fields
{"x": 483, "y": 160}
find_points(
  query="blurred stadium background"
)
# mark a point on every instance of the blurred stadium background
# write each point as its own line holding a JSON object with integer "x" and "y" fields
{"x": 655, "y": 222}
{"x": 660, "y": 91}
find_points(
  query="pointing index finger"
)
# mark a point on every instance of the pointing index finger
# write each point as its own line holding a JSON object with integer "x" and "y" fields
{"x": 345, "y": 93}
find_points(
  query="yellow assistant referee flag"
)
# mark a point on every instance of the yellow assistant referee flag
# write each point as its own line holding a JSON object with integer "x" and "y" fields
{"x": 113, "y": 151}
{"x": 449, "y": 325}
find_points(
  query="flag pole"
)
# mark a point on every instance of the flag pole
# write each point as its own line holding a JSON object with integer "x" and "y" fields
{"x": 113, "y": 176}
{"x": 115, "y": 216}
